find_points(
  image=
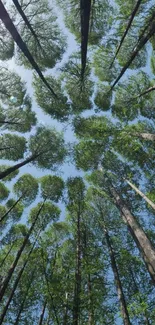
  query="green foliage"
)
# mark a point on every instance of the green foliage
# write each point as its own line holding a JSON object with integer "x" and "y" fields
{"x": 49, "y": 213}
{"x": 12, "y": 147}
{"x": 27, "y": 186}
{"x": 103, "y": 97}
{"x": 16, "y": 213}
{"x": 4, "y": 192}
{"x": 10, "y": 176}
{"x": 52, "y": 187}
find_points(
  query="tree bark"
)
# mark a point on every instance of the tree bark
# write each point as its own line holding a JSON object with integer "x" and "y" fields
{"x": 127, "y": 29}
{"x": 120, "y": 293}
{"x": 4, "y": 16}
{"x": 141, "y": 194}
{"x": 42, "y": 314}
{"x": 77, "y": 288}
{"x": 5, "y": 309}
{"x": 144, "y": 244}
{"x": 18, "y": 255}
{"x": 144, "y": 135}
{"x": 147, "y": 91}
{"x": 4, "y": 259}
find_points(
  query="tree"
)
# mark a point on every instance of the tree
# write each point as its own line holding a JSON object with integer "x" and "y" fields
{"x": 52, "y": 187}
{"x": 27, "y": 187}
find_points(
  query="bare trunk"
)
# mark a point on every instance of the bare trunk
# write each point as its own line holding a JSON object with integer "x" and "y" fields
{"x": 5, "y": 309}
{"x": 77, "y": 289}
{"x": 23, "y": 302}
{"x": 42, "y": 314}
{"x": 11, "y": 169}
{"x": 4, "y": 16}
{"x": 135, "y": 52}
{"x": 120, "y": 293}
{"x": 85, "y": 8}
{"x": 127, "y": 29}
{"x": 144, "y": 135}
{"x": 4, "y": 259}
{"x": 141, "y": 194}
{"x": 147, "y": 91}
{"x": 90, "y": 316}
{"x": 65, "y": 318}
{"x": 21, "y": 12}
{"x": 14, "y": 264}
{"x": 5, "y": 215}
{"x": 144, "y": 244}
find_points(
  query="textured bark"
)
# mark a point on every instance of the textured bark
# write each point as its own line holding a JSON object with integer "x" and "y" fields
{"x": 5, "y": 309}
{"x": 5, "y": 282}
{"x": 42, "y": 314}
{"x": 7, "y": 212}
{"x": 144, "y": 244}
{"x": 120, "y": 293}
{"x": 4, "y": 16}
{"x": 127, "y": 29}
{"x": 144, "y": 135}
{"x": 85, "y": 8}
{"x": 135, "y": 52}
{"x": 141, "y": 194}
{"x": 77, "y": 288}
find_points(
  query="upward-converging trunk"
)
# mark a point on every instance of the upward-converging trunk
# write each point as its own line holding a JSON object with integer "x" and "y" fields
{"x": 143, "y": 243}
{"x": 127, "y": 29}
{"x": 120, "y": 293}
{"x": 42, "y": 314}
{"x": 21, "y": 12}
{"x": 4, "y": 16}
{"x": 18, "y": 255}
{"x": 24, "y": 300}
{"x": 85, "y": 8}
{"x": 15, "y": 286}
{"x": 141, "y": 194}
{"x": 77, "y": 288}
{"x": 11, "y": 208}
{"x": 135, "y": 52}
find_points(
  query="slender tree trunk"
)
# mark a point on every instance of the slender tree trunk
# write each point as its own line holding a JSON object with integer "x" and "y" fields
{"x": 141, "y": 194}
{"x": 25, "y": 298}
{"x": 12, "y": 207}
{"x": 147, "y": 91}
{"x": 120, "y": 293}
{"x": 21, "y": 12}
{"x": 77, "y": 288}
{"x": 65, "y": 318}
{"x": 4, "y": 16}
{"x": 5, "y": 309}
{"x": 4, "y": 259}
{"x": 85, "y": 8}
{"x": 20, "y": 251}
{"x": 144, "y": 244}
{"x": 144, "y": 135}
{"x": 11, "y": 169}
{"x": 127, "y": 29}
{"x": 135, "y": 52}
{"x": 90, "y": 316}
{"x": 42, "y": 314}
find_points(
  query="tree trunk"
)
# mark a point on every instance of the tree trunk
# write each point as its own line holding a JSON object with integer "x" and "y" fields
{"x": 90, "y": 316}
{"x": 23, "y": 302}
{"x": 144, "y": 135}
{"x": 11, "y": 169}
{"x": 4, "y": 16}
{"x": 18, "y": 255}
{"x": 127, "y": 29}
{"x": 21, "y": 12}
{"x": 135, "y": 52}
{"x": 77, "y": 288}
{"x": 7, "y": 212}
{"x": 85, "y": 8}
{"x": 120, "y": 293}
{"x": 4, "y": 259}
{"x": 65, "y": 318}
{"x": 141, "y": 194}
{"x": 42, "y": 314}
{"x": 5, "y": 309}
{"x": 147, "y": 91}
{"x": 144, "y": 244}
